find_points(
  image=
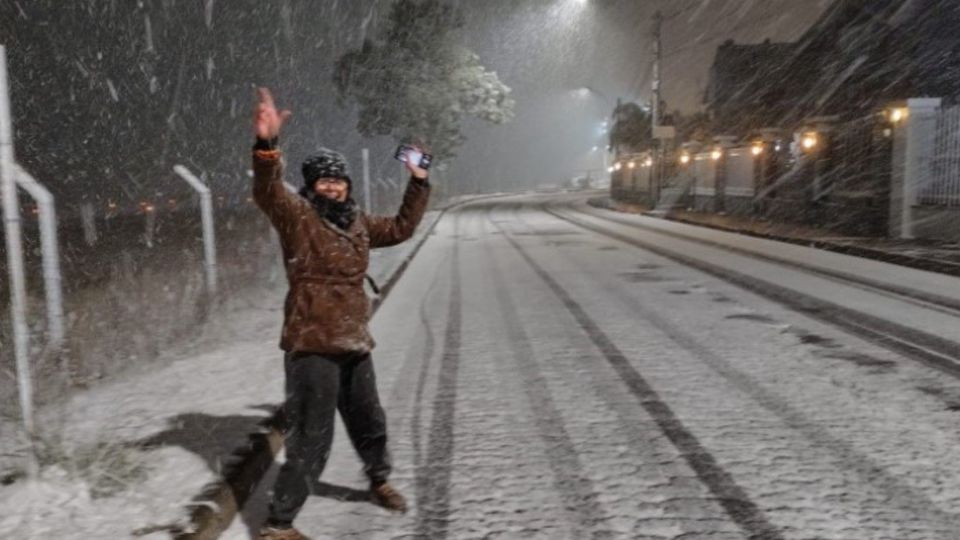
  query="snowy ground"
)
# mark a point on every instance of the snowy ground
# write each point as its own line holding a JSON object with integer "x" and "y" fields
{"x": 134, "y": 451}
{"x": 545, "y": 380}
{"x": 542, "y": 380}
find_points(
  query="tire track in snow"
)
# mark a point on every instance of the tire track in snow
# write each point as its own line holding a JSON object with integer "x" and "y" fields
{"x": 734, "y": 500}
{"x": 414, "y": 373}
{"x": 576, "y": 490}
{"x": 430, "y": 344}
{"x": 939, "y": 303}
{"x": 933, "y": 350}
{"x": 900, "y": 493}
{"x": 433, "y": 479}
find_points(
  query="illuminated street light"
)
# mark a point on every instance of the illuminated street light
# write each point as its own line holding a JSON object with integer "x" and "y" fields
{"x": 617, "y": 166}
{"x": 809, "y": 140}
{"x": 609, "y": 169}
{"x": 685, "y": 158}
{"x": 648, "y": 162}
{"x": 897, "y": 114}
{"x": 716, "y": 154}
{"x": 757, "y": 149}
{"x": 632, "y": 164}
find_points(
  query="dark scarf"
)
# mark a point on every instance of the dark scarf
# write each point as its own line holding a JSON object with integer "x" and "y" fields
{"x": 341, "y": 214}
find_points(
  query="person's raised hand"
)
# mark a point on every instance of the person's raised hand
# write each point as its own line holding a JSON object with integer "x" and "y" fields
{"x": 266, "y": 120}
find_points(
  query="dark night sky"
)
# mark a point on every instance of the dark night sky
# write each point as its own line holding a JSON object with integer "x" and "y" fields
{"x": 546, "y": 50}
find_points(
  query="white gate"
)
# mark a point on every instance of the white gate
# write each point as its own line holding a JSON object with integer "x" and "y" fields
{"x": 943, "y": 186}
{"x": 740, "y": 164}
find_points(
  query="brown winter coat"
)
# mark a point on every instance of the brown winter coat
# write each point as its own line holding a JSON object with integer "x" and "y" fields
{"x": 327, "y": 310}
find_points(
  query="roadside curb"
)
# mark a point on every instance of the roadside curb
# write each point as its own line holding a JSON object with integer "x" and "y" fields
{"x": 920, "y": 263}
{"x": 213, "y": 510}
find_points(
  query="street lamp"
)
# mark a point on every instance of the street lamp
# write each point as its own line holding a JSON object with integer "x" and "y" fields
{"x": 585, "y": 92}
{"x": 897, "y": 114}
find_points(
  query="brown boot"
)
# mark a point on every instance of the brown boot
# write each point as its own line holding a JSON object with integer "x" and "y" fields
{"x": 273, "y": 533}
{"x": 383, "y": 494}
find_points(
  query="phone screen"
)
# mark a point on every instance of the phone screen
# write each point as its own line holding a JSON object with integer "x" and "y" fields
{"x": 414, "y": 157}
{"x": 409, "y": 154}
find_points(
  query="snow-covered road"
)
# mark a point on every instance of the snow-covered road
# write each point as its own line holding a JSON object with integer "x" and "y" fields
{"x": 550, "y": 373}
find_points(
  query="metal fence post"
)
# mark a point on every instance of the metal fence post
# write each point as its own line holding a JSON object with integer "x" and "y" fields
{"x": 149, "y": 224}
{"x": 50, "y": 250}
{"x": 206, "y": 215}
{"x": 14, "y": 243}
{"x": 89, "y": 219}
{"x": 365, "y": 153}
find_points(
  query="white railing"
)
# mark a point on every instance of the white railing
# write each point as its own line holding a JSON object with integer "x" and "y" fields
{"x": 943, "y": 186}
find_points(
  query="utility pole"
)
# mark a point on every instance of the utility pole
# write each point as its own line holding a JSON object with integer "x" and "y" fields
{"x": 657, "y": 59}
{"x": 655, "y": 108}
{"x": 614, "y": 121}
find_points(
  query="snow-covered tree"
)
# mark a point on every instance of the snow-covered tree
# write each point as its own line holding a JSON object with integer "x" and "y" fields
{"x": 415, "y": 82}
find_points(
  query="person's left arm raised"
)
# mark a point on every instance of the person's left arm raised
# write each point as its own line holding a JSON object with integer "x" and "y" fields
{"x": 389, "y": 231}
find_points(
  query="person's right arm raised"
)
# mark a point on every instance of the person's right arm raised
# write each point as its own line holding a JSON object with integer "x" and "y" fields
{"x": 268, "y": 190}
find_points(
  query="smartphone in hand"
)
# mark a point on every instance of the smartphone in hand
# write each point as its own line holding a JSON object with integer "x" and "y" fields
{"x": 409, "y": 154}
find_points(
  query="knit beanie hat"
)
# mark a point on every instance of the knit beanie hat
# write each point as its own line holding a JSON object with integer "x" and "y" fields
{"x": 325, "y": 164}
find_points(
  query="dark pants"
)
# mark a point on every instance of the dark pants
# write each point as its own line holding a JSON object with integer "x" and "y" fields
{"x": 316, "y": 387}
